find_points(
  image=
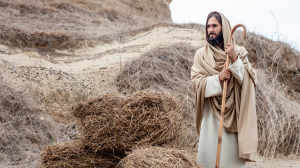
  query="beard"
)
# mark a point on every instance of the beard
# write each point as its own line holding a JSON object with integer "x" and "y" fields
{"x": 215, "y": 40}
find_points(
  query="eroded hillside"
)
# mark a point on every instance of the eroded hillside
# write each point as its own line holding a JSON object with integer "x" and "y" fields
{"x": 49, "y": 24}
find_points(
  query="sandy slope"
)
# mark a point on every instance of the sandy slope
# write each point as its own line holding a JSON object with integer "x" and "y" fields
{"x": 60, "y": 78}
{"x": 105, "y": 56}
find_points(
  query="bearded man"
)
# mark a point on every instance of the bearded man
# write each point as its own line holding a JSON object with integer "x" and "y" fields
{"x": 239, "y": 140}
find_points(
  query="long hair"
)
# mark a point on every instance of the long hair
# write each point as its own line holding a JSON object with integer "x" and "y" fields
{"x": 213, "y": 14}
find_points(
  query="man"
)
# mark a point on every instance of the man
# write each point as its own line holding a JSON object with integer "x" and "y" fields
{"x": 239, "y": 140}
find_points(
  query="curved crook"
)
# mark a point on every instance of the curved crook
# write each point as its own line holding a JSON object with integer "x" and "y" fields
{"x": 234, "y": 28}
{"x": 230, "y": 37}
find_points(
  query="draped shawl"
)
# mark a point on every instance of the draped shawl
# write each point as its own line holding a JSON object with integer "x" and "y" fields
{"x": 240, "y": 112}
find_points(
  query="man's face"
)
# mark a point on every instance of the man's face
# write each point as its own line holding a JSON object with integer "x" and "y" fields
{"x": 214, "y": 32}
{"x": 213, "y": 27}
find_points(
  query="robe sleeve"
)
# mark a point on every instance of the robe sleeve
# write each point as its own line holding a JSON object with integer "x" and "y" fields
{"x": 237, "y": 70}
{"x": 213, "y": 86}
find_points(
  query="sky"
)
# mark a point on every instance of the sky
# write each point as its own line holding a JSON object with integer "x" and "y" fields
{"x": 276, "y": 19}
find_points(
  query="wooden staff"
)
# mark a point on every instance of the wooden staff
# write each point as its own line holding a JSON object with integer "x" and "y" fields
{"x": 224, "y": 96}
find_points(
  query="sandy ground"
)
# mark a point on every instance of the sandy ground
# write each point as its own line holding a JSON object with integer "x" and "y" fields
{"x": 275, "y": 163}
{"x": 58, "y": 79}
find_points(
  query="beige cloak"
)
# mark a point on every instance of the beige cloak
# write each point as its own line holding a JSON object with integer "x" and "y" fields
{"x": 240, "y": 111}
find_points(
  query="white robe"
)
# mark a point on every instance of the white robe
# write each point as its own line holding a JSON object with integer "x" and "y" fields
{"x": 208, "y": 140}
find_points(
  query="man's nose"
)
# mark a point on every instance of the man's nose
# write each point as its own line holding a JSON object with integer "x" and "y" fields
{"x": 210, "y": 29}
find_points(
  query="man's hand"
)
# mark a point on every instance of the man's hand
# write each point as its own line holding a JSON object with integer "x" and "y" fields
{"x": 230, "y": 50}
{"x": 225, "y": 74}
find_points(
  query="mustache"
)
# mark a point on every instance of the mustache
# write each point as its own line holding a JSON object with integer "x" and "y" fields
{"x": 211, "y": 34}
{"x": 215, "y": 40}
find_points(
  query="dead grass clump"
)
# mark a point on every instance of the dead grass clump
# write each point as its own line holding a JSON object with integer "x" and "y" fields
{"x": 24, "y": 127}
{"x": 71, "y": 154}
{"x": 277, "y": 59}
{"x": 114, "y": 123}
{"x": 165, "y": 68}
{"x": 111, "y": 125}
{"x": 278, "y": 120}
{"x": 159, "y": 157}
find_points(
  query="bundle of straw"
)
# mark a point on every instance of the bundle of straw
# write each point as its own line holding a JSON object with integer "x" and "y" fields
{"x": 71, "y": 154}
{"x": 112, "y": 125}
{"x": 159, "y": 157}
{"x": 115, "y": 123}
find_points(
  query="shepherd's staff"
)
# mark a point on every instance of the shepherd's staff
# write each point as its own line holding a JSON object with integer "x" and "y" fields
{"x": 224, "y": 96}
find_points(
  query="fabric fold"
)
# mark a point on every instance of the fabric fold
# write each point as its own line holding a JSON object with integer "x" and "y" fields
{"x": 213, "y": 86}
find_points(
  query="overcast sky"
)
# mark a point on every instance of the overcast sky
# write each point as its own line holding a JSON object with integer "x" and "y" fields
{"x": 256, "y": 15}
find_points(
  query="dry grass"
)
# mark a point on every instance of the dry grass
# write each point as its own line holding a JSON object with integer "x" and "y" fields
{"x": 168, "y": 68}
{"x": 111, "y": 125}
{"x": 278, "y": 120}
{"x": 159, "y": 157}
{"x": 119, "y": 123}
{"x": 165, "y": 68}
{"x": 71, "y": 154}
{"x": 24, "y": 128}
{"x": 49, "y": 24}
{"x": 278, "y": 60}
